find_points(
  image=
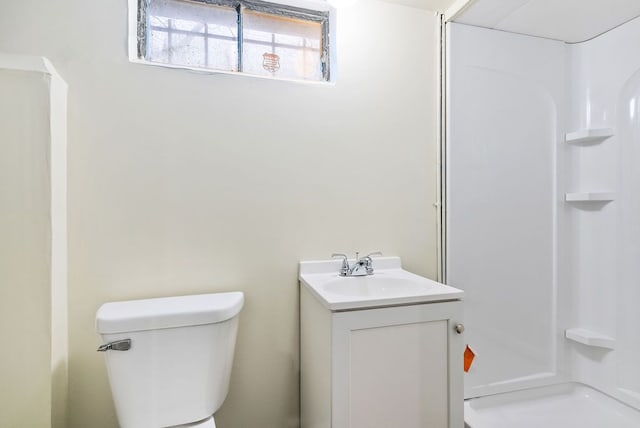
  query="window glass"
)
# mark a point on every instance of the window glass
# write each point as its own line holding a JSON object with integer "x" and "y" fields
{"x": 187, "y": 49}
{"x": 281, "y": 46}
{"x": 193, "y": 34}
{"x": 159, "y": 46}
{"x": 277, "y": 40}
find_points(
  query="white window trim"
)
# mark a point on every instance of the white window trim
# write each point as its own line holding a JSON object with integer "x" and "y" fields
{"x": 318, "y": 5}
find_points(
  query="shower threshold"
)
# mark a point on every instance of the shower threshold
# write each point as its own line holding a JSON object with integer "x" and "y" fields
{"x": 566, "y": 405}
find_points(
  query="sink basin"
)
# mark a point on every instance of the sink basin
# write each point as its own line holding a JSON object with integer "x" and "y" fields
{"x": 390, "y": 285}
{"x": 375, "y": 286}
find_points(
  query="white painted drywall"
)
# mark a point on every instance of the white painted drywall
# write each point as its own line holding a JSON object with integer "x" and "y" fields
{"x": 25, "y": 304}
{"x": 33, "y": 255}
{"x": 182, "y": 182}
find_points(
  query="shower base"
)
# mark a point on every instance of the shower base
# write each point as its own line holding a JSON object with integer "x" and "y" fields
{"x": 566, "y": 405}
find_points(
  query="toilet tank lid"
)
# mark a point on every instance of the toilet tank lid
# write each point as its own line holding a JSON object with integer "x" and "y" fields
{"x": 168, "y": 312}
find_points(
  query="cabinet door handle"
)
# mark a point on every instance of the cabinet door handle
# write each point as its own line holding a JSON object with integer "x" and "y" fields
{"x": 459, "y": 328}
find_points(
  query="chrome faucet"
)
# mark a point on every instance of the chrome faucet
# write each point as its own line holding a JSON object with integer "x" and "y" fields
{"x": 361, "y": 267}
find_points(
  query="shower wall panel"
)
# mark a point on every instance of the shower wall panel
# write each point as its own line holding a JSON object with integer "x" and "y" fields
{"x": 505, "y": 110}
{"x": 608, "y": 266}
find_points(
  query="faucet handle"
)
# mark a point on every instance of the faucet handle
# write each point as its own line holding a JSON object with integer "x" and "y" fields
{"x": 344, "y": 270}
{"x": 369, "y": 261}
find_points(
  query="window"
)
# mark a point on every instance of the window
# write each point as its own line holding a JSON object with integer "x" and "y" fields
{"x": 247, "y": 36}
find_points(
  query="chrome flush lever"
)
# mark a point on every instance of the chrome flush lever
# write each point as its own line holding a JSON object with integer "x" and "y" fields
{"x": 118, "y": 345}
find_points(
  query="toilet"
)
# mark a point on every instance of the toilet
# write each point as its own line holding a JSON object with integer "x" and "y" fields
{"x": 169, "y": 359}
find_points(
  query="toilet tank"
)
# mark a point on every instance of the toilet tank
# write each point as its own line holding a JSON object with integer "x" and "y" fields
{"x": 178, "y": 367}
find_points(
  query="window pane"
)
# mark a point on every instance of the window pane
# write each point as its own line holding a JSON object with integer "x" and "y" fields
{"x": 159, "y": 21}
{"x": 187, "y": 49}
{"x": 159, "y": 46}
{"x": 281, "y": 47}
{"x": 193, "y": 34}
{"x": 222, "y": 54}
{"x": 189, "y": 26}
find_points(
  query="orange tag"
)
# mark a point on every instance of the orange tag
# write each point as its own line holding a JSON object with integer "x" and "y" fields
{"x": 469, "y": 355}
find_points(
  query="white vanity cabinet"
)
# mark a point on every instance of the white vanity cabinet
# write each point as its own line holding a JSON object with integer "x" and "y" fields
{"x": 381, "y": 367}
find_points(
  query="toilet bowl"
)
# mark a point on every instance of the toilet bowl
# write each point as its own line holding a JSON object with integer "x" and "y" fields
{"x": 169, "y": 359}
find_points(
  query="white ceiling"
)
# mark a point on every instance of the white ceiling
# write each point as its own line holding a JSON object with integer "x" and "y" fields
{"x": 568, "y": 20}
{"x": 435, "y": 5}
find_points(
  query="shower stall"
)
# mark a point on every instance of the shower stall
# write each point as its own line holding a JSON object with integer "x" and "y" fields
{"x": 542, "y": 208}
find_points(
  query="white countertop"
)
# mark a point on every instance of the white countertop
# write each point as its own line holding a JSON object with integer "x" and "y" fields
{"x": 390, "y": 285}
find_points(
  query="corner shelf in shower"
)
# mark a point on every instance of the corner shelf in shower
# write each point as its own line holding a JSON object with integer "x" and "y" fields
{"x": 590, "y": 197}
{"x": 590, "y": 338}
{"x": 588, "y": 135}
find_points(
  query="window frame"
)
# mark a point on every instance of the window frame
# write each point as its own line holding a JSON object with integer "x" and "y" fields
{"x": 323, "y": 16}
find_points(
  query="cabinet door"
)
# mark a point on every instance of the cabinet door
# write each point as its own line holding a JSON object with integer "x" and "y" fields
{"x": 398, "y": 367}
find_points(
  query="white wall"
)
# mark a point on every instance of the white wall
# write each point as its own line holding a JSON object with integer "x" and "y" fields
{"x": 185, "y": 183}
{"x": 25, "y": 251}
{"x": 33, "y": 267}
